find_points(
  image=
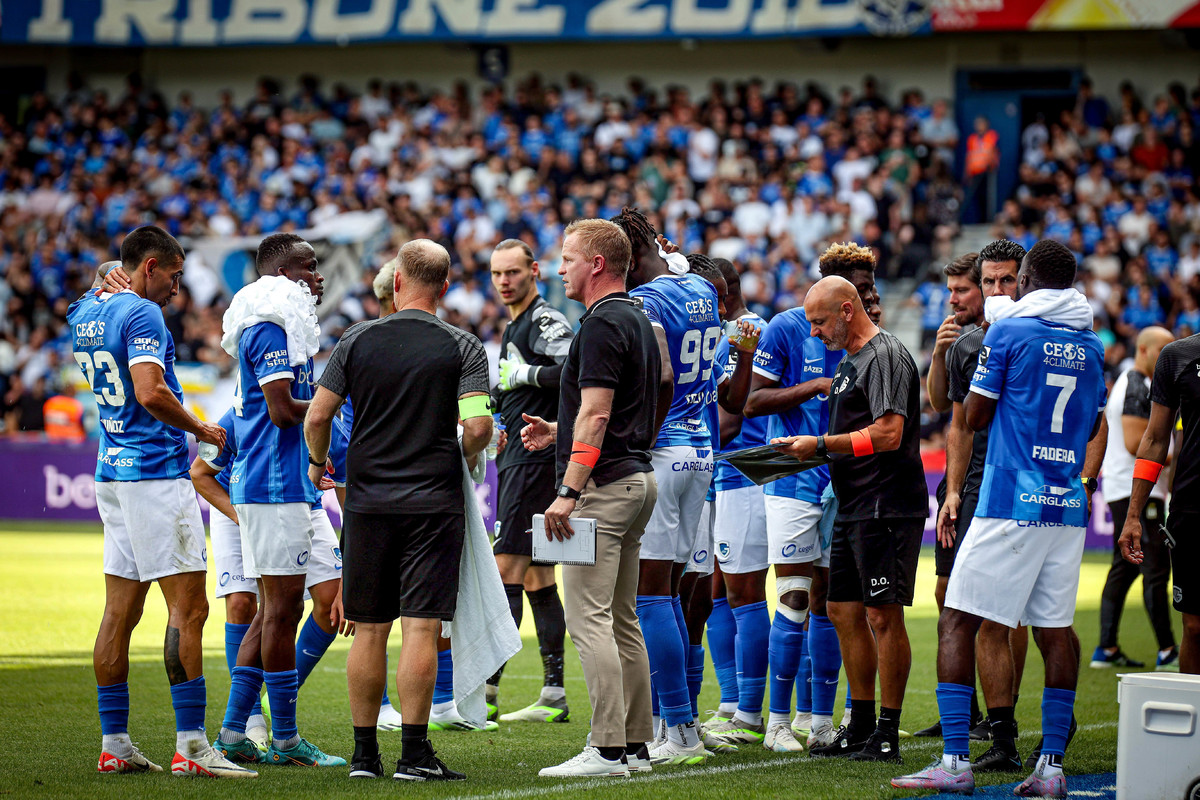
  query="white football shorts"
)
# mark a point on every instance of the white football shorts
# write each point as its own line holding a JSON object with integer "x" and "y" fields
{"x": 1012, "y": 571}
{"x": 683, "y": 475}
{"x": 227, "y": 556}
{"x": 740, "y": 532}
{"x": 152, "y": 529}
{"x": 703, "y": 557}
{"x": 324, "y": 554}
{"x": 793, "y": 532}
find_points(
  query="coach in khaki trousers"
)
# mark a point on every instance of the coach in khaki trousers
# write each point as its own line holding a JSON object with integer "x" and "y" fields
{"x": 608, "y": 417}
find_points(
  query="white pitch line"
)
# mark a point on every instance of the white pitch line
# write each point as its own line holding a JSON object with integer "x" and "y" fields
{"x": 608, "y": 783}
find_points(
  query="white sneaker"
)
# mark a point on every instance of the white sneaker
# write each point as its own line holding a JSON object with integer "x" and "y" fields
{"x": 451, "y": 720}
{"x": 389, "y": 718}
{"x": 821, "y": 736}
{"x": 737, "y": 732}
{"x": 780, "y": 739}
{"x": 588, "y": 764}
{"x": 207, "y": 763}
{"x": 670, "y": 752}
{"x": 134, "y": 762}
{"x": 258, "y": 732}
{"x": 802, "y": 723}
{"x": 714, "y": 718}
{"x": 639, "y": 762}
{"x": 715, "y": 744}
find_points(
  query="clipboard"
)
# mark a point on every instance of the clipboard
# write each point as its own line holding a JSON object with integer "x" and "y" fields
{"x": 764, "y": 463}
{"x": 579, "y": 550}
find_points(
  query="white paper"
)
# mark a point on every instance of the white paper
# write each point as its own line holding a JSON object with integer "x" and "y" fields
{"x": 580, "y": 549}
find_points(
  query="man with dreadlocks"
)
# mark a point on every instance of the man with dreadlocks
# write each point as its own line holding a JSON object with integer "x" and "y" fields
{"x": 682, "y": 308}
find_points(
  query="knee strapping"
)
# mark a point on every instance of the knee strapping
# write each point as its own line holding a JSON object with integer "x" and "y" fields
{"x": 793, "y": 583}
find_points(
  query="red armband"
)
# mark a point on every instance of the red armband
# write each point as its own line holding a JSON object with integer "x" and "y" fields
{"x": 860, "y": 442}
{"x": 585, "y": 454}
{"x": 1147, "y": 470}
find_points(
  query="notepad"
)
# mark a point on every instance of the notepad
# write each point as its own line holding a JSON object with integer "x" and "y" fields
{"x": 579, "y": 550}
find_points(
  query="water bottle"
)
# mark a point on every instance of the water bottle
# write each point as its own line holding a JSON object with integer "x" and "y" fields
{"x": 208, "y": 452}
{"x": 497, "y": 429}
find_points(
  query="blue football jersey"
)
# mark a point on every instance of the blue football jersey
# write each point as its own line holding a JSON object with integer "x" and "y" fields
{"x": 224, "y": 459}
{"x": 271, "y": 465}
{"x": 754, "y": 429}
{"x": 1048, "y": 381}
{"x": 111, "y": 333}
{"x": 790, "y": 354}
{"x": 685, "y": 307}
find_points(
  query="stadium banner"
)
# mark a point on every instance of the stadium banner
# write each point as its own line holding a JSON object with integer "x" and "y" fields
{"x": 55, "y": 482}
{"x": 1021, "y": 15}
{"x": 209, "y": 23}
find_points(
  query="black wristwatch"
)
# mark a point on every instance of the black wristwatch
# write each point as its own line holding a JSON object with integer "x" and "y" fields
{"x": 1089, "y": 483}
{"x": 567, "y": 491}
{"x": 822, "y": 452}
{"x": 320, "y": 464}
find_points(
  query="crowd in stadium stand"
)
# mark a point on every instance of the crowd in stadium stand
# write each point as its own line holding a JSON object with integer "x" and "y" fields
{"x": 763, "y": 174}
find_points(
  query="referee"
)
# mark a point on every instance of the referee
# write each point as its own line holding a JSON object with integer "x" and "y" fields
{"x": 1174, "y": 389}
{"x": 533, "y": 348}
{"x": 412, "y": 377}
{"x": 877, "y": 474}
{"x": 608, "y": 410}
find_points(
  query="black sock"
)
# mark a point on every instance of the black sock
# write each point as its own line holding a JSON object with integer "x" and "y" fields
{"x": 634, "y": 748}
{"x": 516, "y": 607}
{"x": 862, "y": 719}
{"x": 1015, "y": 696}
{"x": 414, "y": 742}
{"x": 975, "y": 715}
{"x": 1004, "y": 725}
{"x": 889, "y": 722}
{"x": 612, "y": 753}
{"x": 551, "y": 627}
{"x": 366, "y": 743}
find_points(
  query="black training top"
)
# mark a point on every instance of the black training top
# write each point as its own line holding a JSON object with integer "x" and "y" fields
{"x": 614, "y": 349}
{"x": 406, "y": 372}
{"x": 1176, "y": 385}
{"x": 542, "y": 335}
{"x": 961, "y": 360}
{"x": 880, "y": 378}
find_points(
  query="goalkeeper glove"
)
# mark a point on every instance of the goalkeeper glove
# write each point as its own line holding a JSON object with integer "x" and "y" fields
{"x": 514, "y": 372}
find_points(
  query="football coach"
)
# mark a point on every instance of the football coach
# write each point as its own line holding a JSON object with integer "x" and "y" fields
{"x": 608, "y": 416}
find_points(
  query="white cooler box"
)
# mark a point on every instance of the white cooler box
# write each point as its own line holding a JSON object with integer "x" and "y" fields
{"x": 1158, "y": 743}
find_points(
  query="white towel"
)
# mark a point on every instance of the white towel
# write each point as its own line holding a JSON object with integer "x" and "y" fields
{"x": 676, "y": 262}
{"x": 1061, "y": 306}
{"x": 483, "y": 633}
{"x": 274, "y": 298}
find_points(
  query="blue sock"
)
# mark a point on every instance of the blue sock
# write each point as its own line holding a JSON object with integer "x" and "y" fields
{"x": 849, "y": 699}
{"x": 282, "y": 688}
{"x": 443, "y": 689}
{"x": 954, "y": 706}
{"x": 244, "y": 685}
{"x": 681, "y": 622}
{"x": 1057, "y": 707}
{"x": 310, "y": 646}
{"x": 784, "y": 653}
{"x": 825, "y": 656}
{"x": 666, "y": 651}
{"x": 695, "y": 675}
{"x": 753, "y": 643}
{"x": 114, "y": 708}
{"x": 189, "y": 699}
{"x": 804, "y": 678}
{"x": 653, "y": 698}
{"x": 386, "y": 671}
{"x": 722, "y": 645}
{"x": 234, "y": 633}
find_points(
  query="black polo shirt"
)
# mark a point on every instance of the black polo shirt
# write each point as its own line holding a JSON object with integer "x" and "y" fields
{"x": 961, "y": 360}
{"x": 405, "y": 372}
{"x": 616, "y": 349}
{"x": 879, "y": 379}
{"x": 1176, "y": 385}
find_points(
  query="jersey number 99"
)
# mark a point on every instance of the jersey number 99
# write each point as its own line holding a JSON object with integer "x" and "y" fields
{"x": 696, "y": 352}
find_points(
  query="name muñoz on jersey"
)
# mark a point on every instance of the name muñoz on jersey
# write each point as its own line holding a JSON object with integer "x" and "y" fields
{"x": 685, "y": 307}
{"x": 790, "y": 354}
{"x": 271, "y": 465}
{"x": 1048, "y": 381}
{"x": 754, "y": 429}
{"x": 111, "y": 333}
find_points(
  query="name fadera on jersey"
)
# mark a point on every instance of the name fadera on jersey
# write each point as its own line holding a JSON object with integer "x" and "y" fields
{"x": 1061, "y": 454}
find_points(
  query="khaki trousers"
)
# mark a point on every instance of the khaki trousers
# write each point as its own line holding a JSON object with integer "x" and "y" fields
{"x": 601, "y": 610}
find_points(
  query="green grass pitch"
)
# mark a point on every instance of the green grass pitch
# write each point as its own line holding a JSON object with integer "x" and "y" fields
{"x": 49, "y": 729}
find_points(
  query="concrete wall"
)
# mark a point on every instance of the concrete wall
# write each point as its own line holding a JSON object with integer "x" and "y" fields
{"x": 1150, "y": 59}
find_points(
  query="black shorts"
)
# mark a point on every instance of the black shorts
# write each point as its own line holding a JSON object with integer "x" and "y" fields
{"x": 1184, "y": 541}
{"x": 401, "y": 565}
{"x": 943, "y": 557}
{"x": 524, "y": 490}
{"x": 874, "y": 561}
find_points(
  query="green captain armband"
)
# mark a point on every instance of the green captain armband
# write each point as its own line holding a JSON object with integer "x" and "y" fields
{"x": 479, "y": 405}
